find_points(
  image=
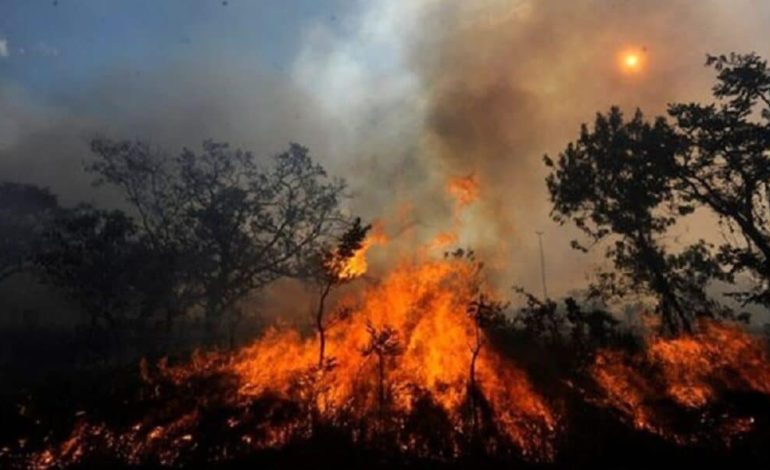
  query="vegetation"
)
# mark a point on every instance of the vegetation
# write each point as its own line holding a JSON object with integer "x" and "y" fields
{"x": 630, "y": 181}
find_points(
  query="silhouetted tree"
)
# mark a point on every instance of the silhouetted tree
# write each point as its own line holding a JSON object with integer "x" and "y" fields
{"x": 230, "y": 224}
{"x": 25, "y": 211}
{"x": 590, "y": 328}
{"x": 539, "y": 319}
{"x": 332, "y": 269}
{"x": 483, "y": 312}
{"x": 617, "y": 181}
{"x": 634, "y": 179}
{"x": 96, "y": 258}
{"x": 724, "y": 163}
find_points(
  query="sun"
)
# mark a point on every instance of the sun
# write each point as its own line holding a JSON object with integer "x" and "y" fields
{"x": 631, "y": 61}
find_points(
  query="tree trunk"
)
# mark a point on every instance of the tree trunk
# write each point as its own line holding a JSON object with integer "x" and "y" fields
{"x": 319, "y": 317}
{"x": 670, "y": 307}
{"x": 472, "y": 385}
{"x": 381, "y": 387}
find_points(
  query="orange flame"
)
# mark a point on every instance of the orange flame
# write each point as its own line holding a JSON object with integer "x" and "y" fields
{"x": 357, "y": 265}
{"x": 443, "y": 240}
{"x": 465, "y": 189}
{"x": 426, "y": 303}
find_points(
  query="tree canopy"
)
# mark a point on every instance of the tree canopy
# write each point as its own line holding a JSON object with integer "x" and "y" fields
{"x": 631, "y": 180}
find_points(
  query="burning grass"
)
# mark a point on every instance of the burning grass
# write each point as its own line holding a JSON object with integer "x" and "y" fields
{"x": 397, "y": 359}
{"x": 676, "y": 387}
{"x": 395, "y": 380}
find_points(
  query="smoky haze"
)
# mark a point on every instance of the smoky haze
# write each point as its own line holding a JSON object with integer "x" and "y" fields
{"x": 405, "y": 96}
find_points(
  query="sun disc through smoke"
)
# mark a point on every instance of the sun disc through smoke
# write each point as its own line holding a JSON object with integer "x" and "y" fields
{"x": 631, "y": 61}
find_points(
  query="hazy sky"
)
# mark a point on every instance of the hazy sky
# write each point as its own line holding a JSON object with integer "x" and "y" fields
{"x": 395, "y": 95}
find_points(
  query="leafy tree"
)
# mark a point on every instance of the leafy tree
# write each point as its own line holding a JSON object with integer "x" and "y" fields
{"x": 615, "y": 182}
{"x": 589, "y": 328}
{"x": 539, "y": 319}
{"x": 95, "y": 256}
{"x": 25, "y": 211}
{"x": 724, "y": 163}
{"x": 634, "y": 179}
{"x": 230, "y": 224}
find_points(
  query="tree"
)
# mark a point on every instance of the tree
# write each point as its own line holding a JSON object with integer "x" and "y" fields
{"x": 96, "y": 257}
{"x": 725, "y": 163}
{"x": 384, "y": 342}
{"x": 592, "y": 328}
{"x": 616, "y": 181}
{"x": 634, "y": 179}
{"x": 231, "y": 224}
{"x": 483, "y": 312}
{"x": 539, "y": 318}
{"x": 332, "y": 269}
{"x": 25, "y": 211}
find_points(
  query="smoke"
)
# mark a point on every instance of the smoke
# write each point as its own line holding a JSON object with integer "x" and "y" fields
{"x": 486, "y": 88}
{"x": 400, "y": 97}
{"x": 44, "y": 140}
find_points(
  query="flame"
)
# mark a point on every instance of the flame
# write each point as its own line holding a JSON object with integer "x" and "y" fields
{"x": 426, "y": 304}
{"x": 693, "y": 372}
{"x": 465, "y": 189}
{"x": 357, "y": 265}
{"x": 443, "y": 240}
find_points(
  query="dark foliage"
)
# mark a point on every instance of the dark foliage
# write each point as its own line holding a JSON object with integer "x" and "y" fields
{"x": 630, "y": 180}
{"x": 24, "y": 212}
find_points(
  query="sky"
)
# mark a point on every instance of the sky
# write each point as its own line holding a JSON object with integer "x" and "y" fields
{"x": 397, "y": 96}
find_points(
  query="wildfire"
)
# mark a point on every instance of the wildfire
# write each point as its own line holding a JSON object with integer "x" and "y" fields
{"x": 399, "y": 361}
{"x": 402, "y": 349}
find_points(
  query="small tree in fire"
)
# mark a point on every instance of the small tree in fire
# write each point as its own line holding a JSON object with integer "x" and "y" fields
{"x": 483, "y": 312}
{"x": 384, "y": 342}
{"x": 333, "y": 270}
